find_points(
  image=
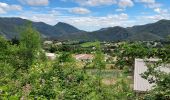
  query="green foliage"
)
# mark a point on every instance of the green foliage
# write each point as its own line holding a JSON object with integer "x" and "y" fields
{"x": 15, "y": 41}
{"x": 99, "y": 62}
{"x": 3, "y": 48}
{"x": 16, "y": 61}
{"x": 122, "y": 90}
{"x": 126, "y": 70}
{"x": 127, "y": 52}
{"x": 89, "y": 44}
{"x": 74, "y": 83}
{"x": 66, "y": 57}
{"x": 26, "y": 74}
{"x": 161, "y": 90}
{"x": 29, "y": 45}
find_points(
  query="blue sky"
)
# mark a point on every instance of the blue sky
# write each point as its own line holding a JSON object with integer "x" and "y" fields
{"x": 88, "y": 15}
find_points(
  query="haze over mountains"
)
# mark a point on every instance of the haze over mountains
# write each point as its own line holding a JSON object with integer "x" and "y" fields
{"x": 63, "y": 31}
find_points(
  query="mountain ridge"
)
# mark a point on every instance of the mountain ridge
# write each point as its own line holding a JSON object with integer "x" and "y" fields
{"x": 63, "y": 31}
{"x": 8, "y": 27}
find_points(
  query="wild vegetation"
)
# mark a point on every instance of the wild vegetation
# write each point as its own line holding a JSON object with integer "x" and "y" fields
{"x": 27, "y": 74}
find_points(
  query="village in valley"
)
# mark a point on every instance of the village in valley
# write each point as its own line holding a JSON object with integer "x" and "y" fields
{"x": 84, "y": 49}
{"x": 84, "y": 54}
{"x": 41, "y": 69}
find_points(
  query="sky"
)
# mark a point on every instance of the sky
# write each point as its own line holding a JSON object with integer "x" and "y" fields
{"x": 88, "y": 15}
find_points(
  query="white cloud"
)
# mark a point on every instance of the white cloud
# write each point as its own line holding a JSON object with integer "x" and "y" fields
{"x": 154, "y": 5}
{"x": 79, "y": 10}
{"x": 89, "y": 23}
{"x": 125, "y": 3}
{"x": 150, "y": 3}
{"x": 145, "y": 1}
{"x": 119, "y": 10}
{"x": 74, "y": 10}
{"x": 161, "y": 11}
{"x": 35, "y": 2}
{"x": 153, "y": 18}
{"x": 156, "y": 8}
{"x": 4, "y": 8}
{"x": 63, "y": 0}
{"x": 94, "y": 23}
{"x": 49, "y": 17}
{"x": 2, "y": 11}
{"x": 95, "y": 2}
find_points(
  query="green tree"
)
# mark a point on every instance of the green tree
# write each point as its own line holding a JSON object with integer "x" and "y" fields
{"x": 66, "y": 57}
{"x": 63, "y": 81}
{"x": 99, "y": 63}
{"x": 161, "y": 79}
{"x": 30, "y": 45}
{"x": 127, "y": 52}
{"x": 17, "y": 60}
{"x": 4, "y": 45}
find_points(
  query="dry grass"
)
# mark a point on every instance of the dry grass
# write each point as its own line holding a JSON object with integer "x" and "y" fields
{"x": 111, "y": 81}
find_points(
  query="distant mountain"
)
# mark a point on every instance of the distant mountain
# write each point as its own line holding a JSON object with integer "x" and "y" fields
{"x": 160, "y": 28}
{"x": 64, "y": 31}
{"x": 144, "y": 36}
{"x": 66, "y": 28}
{"x": 9, "y": 28}
{"x": 107, "y": 34}
{"x": 111, "y": 33}
{"x": 154, "y": 31}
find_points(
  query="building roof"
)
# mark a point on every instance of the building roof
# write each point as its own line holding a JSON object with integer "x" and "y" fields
{"x": 51, "y": 56}
{"x": 141, "y": 84}
{"x": 48, "y": 42}
{"x": 84, "y": 57}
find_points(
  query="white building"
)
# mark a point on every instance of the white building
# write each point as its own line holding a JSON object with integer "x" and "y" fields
{"x": 141, "y": 84}
{"x": 48, "y": 42}
{"x": 51, "y": 56}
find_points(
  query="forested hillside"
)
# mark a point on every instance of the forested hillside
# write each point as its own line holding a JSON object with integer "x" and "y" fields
{"x": 62, "y": 31}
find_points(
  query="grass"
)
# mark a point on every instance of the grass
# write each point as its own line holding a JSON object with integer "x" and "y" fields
{"x": 105, "y": 73}
{"x": 88, "y": 44}
{"x": 110, "y": 77}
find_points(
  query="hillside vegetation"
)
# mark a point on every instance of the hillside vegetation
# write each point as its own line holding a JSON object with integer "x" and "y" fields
{"x": 62, "y": 31}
